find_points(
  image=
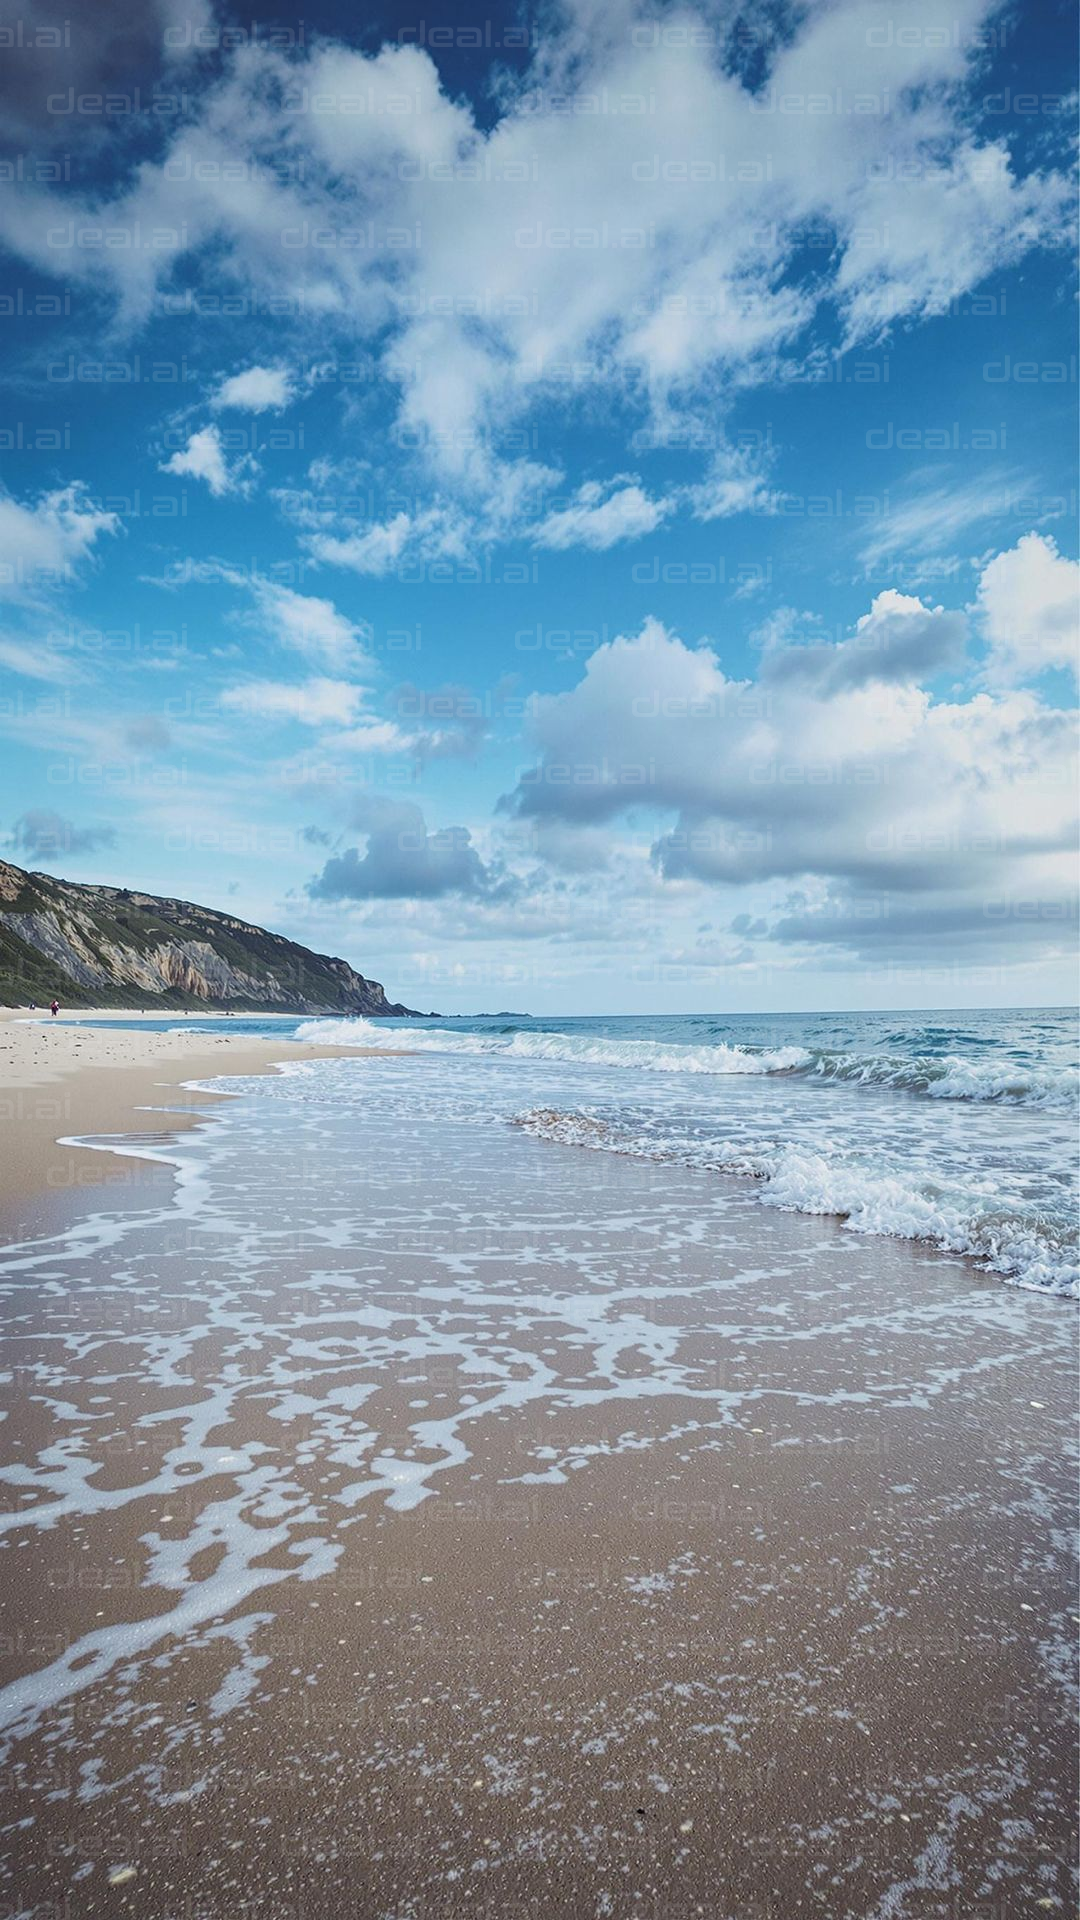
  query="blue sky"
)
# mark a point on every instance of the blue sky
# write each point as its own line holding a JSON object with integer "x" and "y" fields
{"x": 574, "y": 513}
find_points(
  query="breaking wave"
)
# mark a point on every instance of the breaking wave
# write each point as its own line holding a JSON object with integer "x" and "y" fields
{"x": 1029, "y": 1251}
{"x": 940, "y": 1077}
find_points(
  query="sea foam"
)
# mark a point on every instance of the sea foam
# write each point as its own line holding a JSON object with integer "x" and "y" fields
{"x": 940, "y": 1077}
{"x": 1030, "y": 1252}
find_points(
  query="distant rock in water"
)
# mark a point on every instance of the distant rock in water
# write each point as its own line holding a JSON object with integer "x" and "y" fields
{"x": 107, "y": 946}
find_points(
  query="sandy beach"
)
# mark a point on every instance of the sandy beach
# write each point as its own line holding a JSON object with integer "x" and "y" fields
{"x": 540, "y": 660}
{"x": 543, "y": 1533}
{"x": 59, "y": 1080}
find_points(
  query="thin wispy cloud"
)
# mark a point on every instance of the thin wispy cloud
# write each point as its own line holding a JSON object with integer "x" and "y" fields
{"x": 928, "y": 517}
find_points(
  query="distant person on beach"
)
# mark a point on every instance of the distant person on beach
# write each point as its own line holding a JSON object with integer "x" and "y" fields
{"x": 54, "y": 1008}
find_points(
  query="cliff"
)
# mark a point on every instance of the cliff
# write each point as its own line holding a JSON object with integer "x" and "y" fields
{"x": 106, "y": 946}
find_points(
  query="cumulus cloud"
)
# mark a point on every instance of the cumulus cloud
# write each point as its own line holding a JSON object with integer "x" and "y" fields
{"x": 837, "y": 767}
{"x": 256, "y": 390}
{"x": 900, "y": 641}
{"x": 41, "y": 833}
{"x": 203, "y": 458}
{"x": 1029, "y": 600}
{"x": 404, "y": 861}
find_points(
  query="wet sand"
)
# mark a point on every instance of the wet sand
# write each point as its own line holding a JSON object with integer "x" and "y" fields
{"x": 774, "y": 1619}
{"x": 59, "y": 1081}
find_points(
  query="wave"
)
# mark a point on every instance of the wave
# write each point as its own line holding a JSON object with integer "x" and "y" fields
{"x": 939, "y": 1077}
{"x": 951, "y": 1077}
{"x": 511, "y": 1043}
{"x": 1033, "y": 1253}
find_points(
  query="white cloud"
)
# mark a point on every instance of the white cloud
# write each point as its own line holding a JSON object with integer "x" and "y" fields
{"x": 313, "y": 703}
{"x": 599, "y": 518}
{"x": 916, "y": 252}
{"x": 311, "y": 626}
{"x": 1029, "y": 599}
{"x": 44, "y": 544}
{"x": 204, "y": 459}
{"x": 376, "y": 736}
{"x": 634, "y": 232}
{"x": 255, "y": 390}
{"x": 931, "y": 516}
{"x": 36, "y": 659}
{"x": 735, "y": 483}
{"x": 903, "y": 811}
{"x": 377, "y": 549}
{"x": 336, "y": 532}
{"x": 304, "y": 623}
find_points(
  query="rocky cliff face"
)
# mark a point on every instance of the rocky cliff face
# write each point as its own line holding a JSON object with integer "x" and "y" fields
{"x": 107, "y": 946}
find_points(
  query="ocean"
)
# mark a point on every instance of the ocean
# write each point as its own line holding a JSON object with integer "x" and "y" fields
{"x": 955, "y": 1129}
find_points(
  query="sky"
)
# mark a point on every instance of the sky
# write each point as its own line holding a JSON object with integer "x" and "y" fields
{"x": 572, "y": 509}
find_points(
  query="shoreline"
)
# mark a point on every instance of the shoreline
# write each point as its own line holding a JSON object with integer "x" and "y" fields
{"x": 59, "y": 1081}
{"x": 464, "y": 1521}
{"x": 67, "y": 1080}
